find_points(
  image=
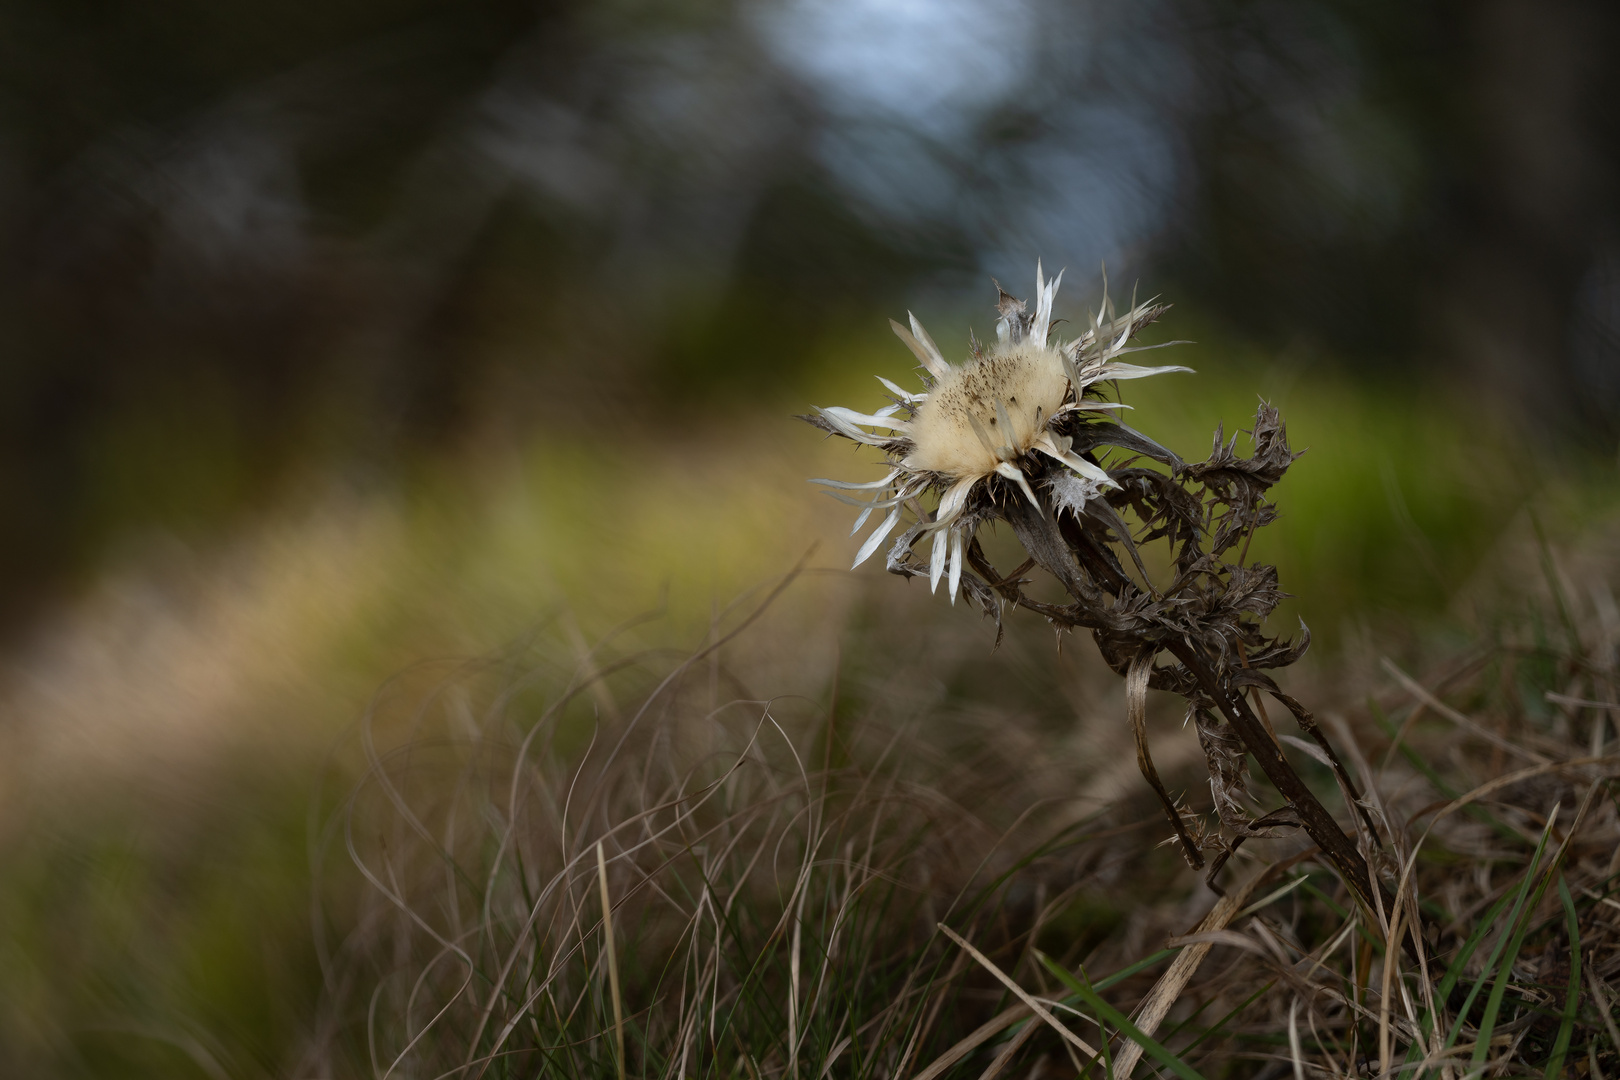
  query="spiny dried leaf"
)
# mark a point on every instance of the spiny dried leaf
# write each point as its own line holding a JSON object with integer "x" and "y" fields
{"x": 1263, "y": 468}
{"x": 1228, "y": 763}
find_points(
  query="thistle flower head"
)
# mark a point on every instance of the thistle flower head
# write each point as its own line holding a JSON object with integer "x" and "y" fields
{"x": 1012, "y": 434}
{"x": 1022, "y": 413}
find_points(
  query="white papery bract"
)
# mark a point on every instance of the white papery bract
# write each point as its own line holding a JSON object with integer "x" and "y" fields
{"x": 996, "y": 426}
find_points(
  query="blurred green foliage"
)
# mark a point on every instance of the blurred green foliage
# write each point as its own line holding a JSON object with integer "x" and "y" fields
{"x": 144, "y": 939}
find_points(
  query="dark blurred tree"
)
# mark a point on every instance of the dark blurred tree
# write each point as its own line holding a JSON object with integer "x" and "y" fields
{"x": 245, "y": 242}
{"x": 1418, "y": 180}
{"x": 190, "y": 210}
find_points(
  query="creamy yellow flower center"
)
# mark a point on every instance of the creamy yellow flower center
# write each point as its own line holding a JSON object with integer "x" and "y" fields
{"x": 959, "y": 430}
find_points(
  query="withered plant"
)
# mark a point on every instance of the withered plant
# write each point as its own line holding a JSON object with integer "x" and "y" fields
{"x": 614, "y": 864}
{"x": 625, "y": 864}
{"x": 1017, "y": 434}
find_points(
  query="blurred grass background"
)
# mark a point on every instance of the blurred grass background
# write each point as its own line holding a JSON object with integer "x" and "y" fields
{"x": 170, "y": 728}
{"x": 346, "y": 341}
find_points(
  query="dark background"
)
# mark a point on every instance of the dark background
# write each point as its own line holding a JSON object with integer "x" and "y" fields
{"x": 246, "y": 245}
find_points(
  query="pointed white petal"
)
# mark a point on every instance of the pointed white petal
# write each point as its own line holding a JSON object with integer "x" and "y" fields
{"x": 866, "y": 504}
{"x": 930, "y": 358}
{"x": 850, "y": 416}
{"x": 928, "y": 343}
{"x": 1132, "y": 371}
{"x": 870, "y": 485}
{"x": 878, "y": 536}
{"x": 936, "y": 564}
{"x": 1009, "y": 436}
{"x": 1012, "y": 472}
{"x": 984, "y": 436}
{"x": 1043, "y": 313}
{"x": 1088, "y": 470}
{"x": 1045, "y": 294}
{"x": 1073, "y": 372}
{"x": 954, "y": 500}
{"x": 1160, "y": 345}
{"x": 935, "y": 364}
{"x": 1125, "y": 326}
{"x": 899, "y": 393}
{"x": 1075, "y": 462}
{"x": 956, "y": 562}
{"x": 849, "y": 430}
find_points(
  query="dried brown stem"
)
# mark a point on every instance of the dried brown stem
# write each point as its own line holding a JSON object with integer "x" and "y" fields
{"x": 1136, "y": 687}
{"x": 1317, "y": 822}
{"x": 1042, "y": 539}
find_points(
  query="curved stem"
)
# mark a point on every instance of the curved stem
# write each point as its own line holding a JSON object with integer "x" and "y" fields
{"x": 1318, "y": 823}
{"x": 1043, "y": 540}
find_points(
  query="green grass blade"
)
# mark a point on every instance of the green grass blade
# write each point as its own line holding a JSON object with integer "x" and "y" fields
{"x": 1078, "y": 994}
{"x": 1123, "y": 973}
{"x": 1228, "y": 1018}
{"x": 1455, "y": 970}
{"x": 1505, "y": 974}
{"x": 1067, "y": 978}
{"x": 1126, "y": 972}
{"x": 1572, "y": 923}
{"x": 1459, "y": 963}
{"x": 1104, "y": 1039}
{"x": 1192, "y": 1018}
{"x": 1106, "y": 1012}
{"x": 1509, "y": 942}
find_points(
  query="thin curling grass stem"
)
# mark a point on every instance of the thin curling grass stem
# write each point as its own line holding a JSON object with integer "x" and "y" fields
{"x": 612, "y": 959}
{"x": 743, "y": 881}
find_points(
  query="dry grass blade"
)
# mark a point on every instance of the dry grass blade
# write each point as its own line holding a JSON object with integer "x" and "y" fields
{"x": 1019, "y": 992}
{"x": 1293, "y": 1040}
{"x": 1156, "y": 1006}
{"x": 1005, "y": 1055}
{"x": 1136, "y": 688}
{"x": 1417, "y": 690}
{"x": 761, "y": 918}
{"x": 612, "y": 958}
{"x": 1392, "y": 965}
{"x": 1603, "y": 998}
{"x": 977, "y": 1038}
{"x": 1579, "y": 703}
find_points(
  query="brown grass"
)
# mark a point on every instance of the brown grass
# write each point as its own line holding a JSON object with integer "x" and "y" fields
{"x": 780, "y": 870}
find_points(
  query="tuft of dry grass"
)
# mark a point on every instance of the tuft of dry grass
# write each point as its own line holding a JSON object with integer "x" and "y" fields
{"x": 888, "y": 882}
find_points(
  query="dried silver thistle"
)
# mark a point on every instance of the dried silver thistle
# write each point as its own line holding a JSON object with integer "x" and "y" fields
{"x": 1014, "y": 434}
